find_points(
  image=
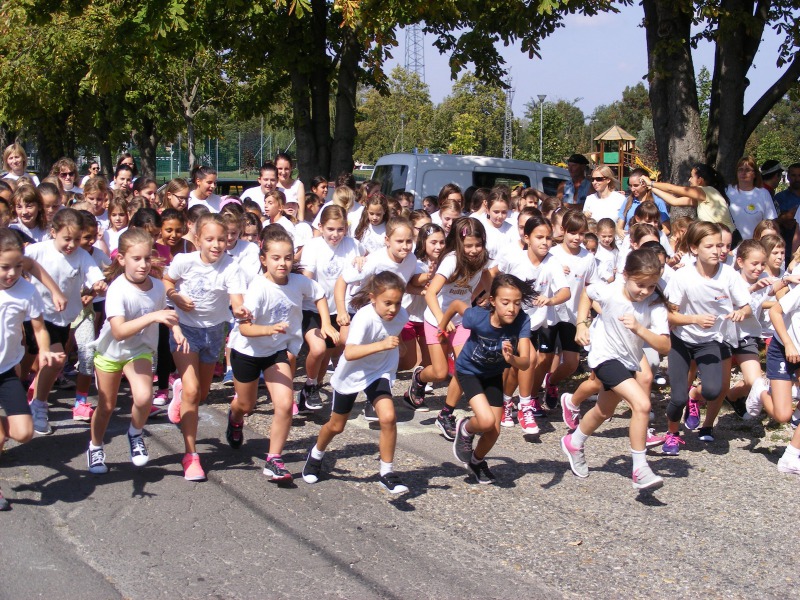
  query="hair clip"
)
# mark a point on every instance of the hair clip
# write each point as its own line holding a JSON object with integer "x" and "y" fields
{"x": 465, "y": 231}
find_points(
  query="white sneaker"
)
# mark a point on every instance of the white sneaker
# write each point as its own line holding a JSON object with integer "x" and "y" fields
{"x": 753, "y": 402}
{"x": 789, "y": 464}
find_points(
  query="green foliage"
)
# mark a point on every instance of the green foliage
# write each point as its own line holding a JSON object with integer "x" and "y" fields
{"x": 629, "y": 112}
{"x": 563, "y": 131}
{"x": 778, "y": 135}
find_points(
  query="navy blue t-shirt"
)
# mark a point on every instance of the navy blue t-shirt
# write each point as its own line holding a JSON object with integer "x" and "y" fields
{"x": 482, "y": 355}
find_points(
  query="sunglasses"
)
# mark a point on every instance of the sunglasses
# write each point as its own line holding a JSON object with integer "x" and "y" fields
{"x": 67, "y": 174}
{"x": 599, "y": 178}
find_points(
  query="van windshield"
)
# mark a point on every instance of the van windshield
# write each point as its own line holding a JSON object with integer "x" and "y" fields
{"x": 391, "y": 177}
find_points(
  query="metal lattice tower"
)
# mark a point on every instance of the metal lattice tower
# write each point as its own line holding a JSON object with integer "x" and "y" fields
{"x": 415, "y": 51}
{"x": 508, "y": 130}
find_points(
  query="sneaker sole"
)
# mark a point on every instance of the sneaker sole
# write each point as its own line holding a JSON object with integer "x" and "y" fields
{"x": 195, "y": 478}
{"x": 571, "y": 463}
{"x": 98, "y": 470}
{"x": 507, "y": 423}
{"x": 788, "y": 470}
{"x": 82, "y": 419}
{"x": 652, "y": 486}
{"x": 48, "y": 432}
{"x": 140, "y": 463}
{"x": 670, "y": 452}
{"x": 705, "y": 438}
{"x": 400, "y": 489}
{"x": 447, "y": 436}
{"x": 277, "y": 478}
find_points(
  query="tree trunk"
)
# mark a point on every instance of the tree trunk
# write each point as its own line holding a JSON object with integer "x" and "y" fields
{"x": 103, "y": 133}
{"x": 190, "y": 141}
{"x": 147, "y": 140}
{"x": 344, "y": 136}
{"x": 304, "y": 132}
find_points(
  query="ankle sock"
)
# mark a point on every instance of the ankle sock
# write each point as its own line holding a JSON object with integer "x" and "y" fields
{"x": 579, "y": 438}
{"x": 447, "y": 410}
{"x": 133, "y": 432}
{"x": 791, "y": 451}
{"x": 93, "y": 447}
{"x": 271, "y": 456}
{"x": 524, "y": 399}
{"x": 311, "y": 382}
{"x": 386, "y": 467}
{"x": 316, "y": 453}
{"x": 639, "y": 458}
{"x": 474, "y": 460}
{"x": 506, "y": 399}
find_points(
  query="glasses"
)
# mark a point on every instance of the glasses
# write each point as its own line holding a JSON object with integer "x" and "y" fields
{"x": 184, "y": 198}
{"x": 599, "y": 178}
{"x": 67, "y": 174}
{"x": 745, "y": 170}
{"x": 94, "y": 168}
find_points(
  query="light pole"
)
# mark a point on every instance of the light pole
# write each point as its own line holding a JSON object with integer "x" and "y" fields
{"x": 541, "y": 124}
{"x": 402, "y": 127}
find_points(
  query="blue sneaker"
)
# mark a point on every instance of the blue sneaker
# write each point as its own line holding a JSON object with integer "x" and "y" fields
{"x": 672, "y": 444}
{"x": 227, "y": 379}
{"x": 692, "y": 417}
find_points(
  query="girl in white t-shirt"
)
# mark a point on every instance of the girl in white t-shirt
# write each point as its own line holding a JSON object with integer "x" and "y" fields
{"x": 201, "y": 285}
{"x": 28, "y": 212}
{"x": 273, "y": 209}
{"x": 117, "y": 221}
{"x": 269, "y": 342}
{"x": 324, "y": 259}
{"x": 205, "y": 182}
{"x": 135, "y": 306}
{"x": 450, "y": 208}
{"x": 546, "y": 275}
{"x": 19, "y": 302}
{"x": 711, "y": 298}
{"x": 499, "y": 232}
{"x": 369, "y": 364}
{"x": 371, "y": 227}
{"x": 460, "y": 275}
{"x": 607, "y": 253}
{"x": 630, "y": 317}
{"x": 292, "y": 188}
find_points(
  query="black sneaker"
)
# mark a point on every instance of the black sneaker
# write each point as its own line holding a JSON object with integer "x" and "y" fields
{"x": 312, "y": 469}
{"x": 234, "y": 433}
{"x": 705, "y": 434}
{"x": 96, "y": 460}
{"x": 308, "y": 399}
{"x": 739, "y": 406}
{"x": 4, "y": 505}
{"x": 421, "y": 407}
{"x": 447, "y": 425}
{"x": 370, "y": 416}
{"x": 139, "y": 455}
{"x": 416, "y": 391}
{"x": 392, "y": 483}
{"x": 482, "y": 473}
{"x": 276, "y": 470}
{"x": 462, "y": 444}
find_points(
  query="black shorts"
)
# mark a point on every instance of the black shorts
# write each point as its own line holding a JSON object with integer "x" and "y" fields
{"x": 249, "y": 368}
{"x": 13, "y": 401}
{"x": 311, "y": 320}
{"x": 748, "y": 345}
{"x": 611, "y": 373}
{"x": 490, "y": 386}
{"x": 545, "y": 338}
{"x": 59, "y": 334}
{"x": 343, "y": 403}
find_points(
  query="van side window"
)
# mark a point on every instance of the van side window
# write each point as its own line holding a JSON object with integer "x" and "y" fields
{"x": 550, "y": 185}
{"x": 391, "y": 177}
{"x": 489, "y": 180}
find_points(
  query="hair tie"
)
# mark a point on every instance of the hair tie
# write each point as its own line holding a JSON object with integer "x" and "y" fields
{"x": 465, "y": 231}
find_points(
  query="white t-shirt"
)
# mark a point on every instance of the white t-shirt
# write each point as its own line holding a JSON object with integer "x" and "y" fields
{"x": 582, "y": 272}
{"x": 271, "y": 303}
{"x": 353, "y": 215}
{"x": 497, "y": 238}
{"x": 378, "y": 262}
{"x": 617, "y": 342}
{"x": 246, "y": 255}
{"x": 292, "y": 192}
{"x": 718, "y": 295}
{"x": 452, "y": 291}
{"x": 126, "y": 300}
{"x": 255, "y": 194}
{"x": 30, "y": 176}
{"x": 37, "y": 233}
{"x": 373, "y": 238}
{"x": 749, "y": 208}
{"x": 212, "y": 203}
{"x": 111, "y": 238}
{"x": 326, "y": 263}
{"x": 21, "y": 302}
{"x": 415, "y": 303}
{"x": 71, "y": 273}
{"x": 367, "y": 327}
{"x": 751, "y": 326}
{"x": 547, "y": 279}
{"x": 286, "y": 224}
{"x": 102, "y": 261}
{"x": 303, "y": 233}
{"x": 790, "y": 304}
{"x": 209, "y": 286}
{"x": 606, "y": 262}
{"x": 604, "y": 208}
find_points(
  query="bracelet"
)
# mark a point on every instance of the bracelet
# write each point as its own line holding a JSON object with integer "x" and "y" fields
{"x": 586, "y": 322}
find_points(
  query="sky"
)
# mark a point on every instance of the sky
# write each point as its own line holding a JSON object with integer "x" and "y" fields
{"x": 606, "y": 52}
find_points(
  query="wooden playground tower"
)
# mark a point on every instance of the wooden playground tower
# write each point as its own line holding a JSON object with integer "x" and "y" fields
{"x": 616, "y": 148}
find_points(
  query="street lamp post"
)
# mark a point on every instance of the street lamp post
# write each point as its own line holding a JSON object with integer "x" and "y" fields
{"x": 402, "y": 127}
{"x": 541, "y": 124}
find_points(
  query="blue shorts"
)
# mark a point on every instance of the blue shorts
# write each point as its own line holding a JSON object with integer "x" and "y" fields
{"x": 207, "y": 342}
{"x": 778, "y": 367}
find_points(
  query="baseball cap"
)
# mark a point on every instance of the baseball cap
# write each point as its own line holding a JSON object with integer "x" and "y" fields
{"x": 770, "y": 167}
{"x": 579, "y": 159}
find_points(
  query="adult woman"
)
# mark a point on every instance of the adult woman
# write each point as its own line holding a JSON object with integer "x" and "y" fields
{"x": 638, "y": 194}
{"x": 705, "y": 192}
{"x": 94, "y": 171}
{"x": 126, "y": 158}
{"x": 606, "y": 201}
{"x": 751, "y": 203}
{"x": 293, "y": 189}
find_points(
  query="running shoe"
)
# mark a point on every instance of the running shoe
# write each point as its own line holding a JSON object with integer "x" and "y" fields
{"x": 234, "y": 433}
{"x": 526, "y": 418}
{"x": 653, "y": 439}
{"x": 370, "y": 416}
{"x": 739, "y": 407}
{"x": 705, "y": 434}
{"x": 174, "y": 410}
{"x": 789, "y": 464}
{"x": 536, "y": 406}
{"x": 227, "y": 379}
{"x": 392, "y": 483}
{"x": 795, "y": 420}
{"x": 312, "y": 469}
{"x": 139, "y": 456}
{"x": 4, "y": 505}
{"x": 41, "y": 423}
{"x": 192, "y": 469}
{"x": 645, "y": 479}
{"x": 308, "y": 399}
{"x": 575, "y": 455}
{"x": 416, "y": 391}
{"x": 462, "y": 444}
{"x": 276, "y": 470}
{"x": 508, "y": 414}
{"x": 753, "y": 404}
{"x": 161, "y": 398}
{"x": 660, "y": 379}
{"x": 156, "y": 412}
{"x": 82, "y": 411}
{"x": 571, "y": 416}
{"x": 550, "y": 393}
{"x": 96, "y": 460}
{"x": 482, "y": 473}
{"x": 447, "y": 425}
{"x": 62, "y": 383}
{"x": 672, "y": 444}
{"x": 692, "y": 416}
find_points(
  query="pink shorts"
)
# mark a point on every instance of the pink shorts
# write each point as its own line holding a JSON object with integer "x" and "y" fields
{"x": 457, "y": 338}
{"x": 412, "y": 330}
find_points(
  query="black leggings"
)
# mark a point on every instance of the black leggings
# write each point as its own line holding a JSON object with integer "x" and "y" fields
{"x": 165, "y": 364}
{"x": 709, "y": 357}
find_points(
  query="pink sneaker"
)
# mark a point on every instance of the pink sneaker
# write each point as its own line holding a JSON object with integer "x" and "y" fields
{"x": 654, "y": 439}
{"x": 526, "y": 418}
{"x": 82, "y": 412}
{"x": 571, "y": 417}
{"x": 156, "y": 411}
{"x": 295, "y": 409}
{"x": 192, "y": 470}
{"x": 161, "y": 398}
{"x": 174, "y": 410}
{"x": 508, "y": 414}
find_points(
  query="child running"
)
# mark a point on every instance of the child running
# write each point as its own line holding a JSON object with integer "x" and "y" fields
{"x": 269, "y": 342}
{"x": 629, "y": 317}
{"x": 135, "y": 305}
{"x": 499, "y": 338}
{"x": 201, "y": 285}
{"x": 368, "y": 364}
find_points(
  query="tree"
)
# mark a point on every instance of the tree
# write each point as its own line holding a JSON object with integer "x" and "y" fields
{"x": 562, "y": 131}
{"x": 629, "y": 112}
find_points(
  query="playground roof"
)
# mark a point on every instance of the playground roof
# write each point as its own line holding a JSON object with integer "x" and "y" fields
{"x": 614, "y": 133}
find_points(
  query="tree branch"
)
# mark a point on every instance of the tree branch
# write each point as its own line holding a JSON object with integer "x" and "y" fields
{"x": 771, "y": 97}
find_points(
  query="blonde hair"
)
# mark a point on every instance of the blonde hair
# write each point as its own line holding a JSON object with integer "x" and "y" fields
{"x": 345, "y": 197}
{"x": 15, "y": 149}
{"x": 605, "y": 171}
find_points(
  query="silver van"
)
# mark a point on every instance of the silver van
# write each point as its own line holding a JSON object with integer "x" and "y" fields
{"x": 426, "y": 174}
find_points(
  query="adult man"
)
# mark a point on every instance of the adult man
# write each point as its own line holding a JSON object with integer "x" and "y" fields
{"x": 771, "y": 173}
{"x": 267, "y": 182}
{"x": 577, "y": 186}
{"x": 788, "y": 200}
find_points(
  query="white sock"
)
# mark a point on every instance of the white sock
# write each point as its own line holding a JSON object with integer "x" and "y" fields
{"x": 317, "y": 453}
{"x": 475, "y": 460}
{"x": 791, "y": 451}
{"x": 524, "y": 399}
{"x": 506, "y": 399}
{"x": 310, "y": 381}
{"x": 639, "y": 458}
{"x": 464, "y": 429}
{"x": 579, "y": 438}
{"x": 571, "y": 406}
{"x": 229, "y": 368}
{"x": 385, "y": 468}
{"x": 133, "y": 432}
{"x": 93, "y": 447}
